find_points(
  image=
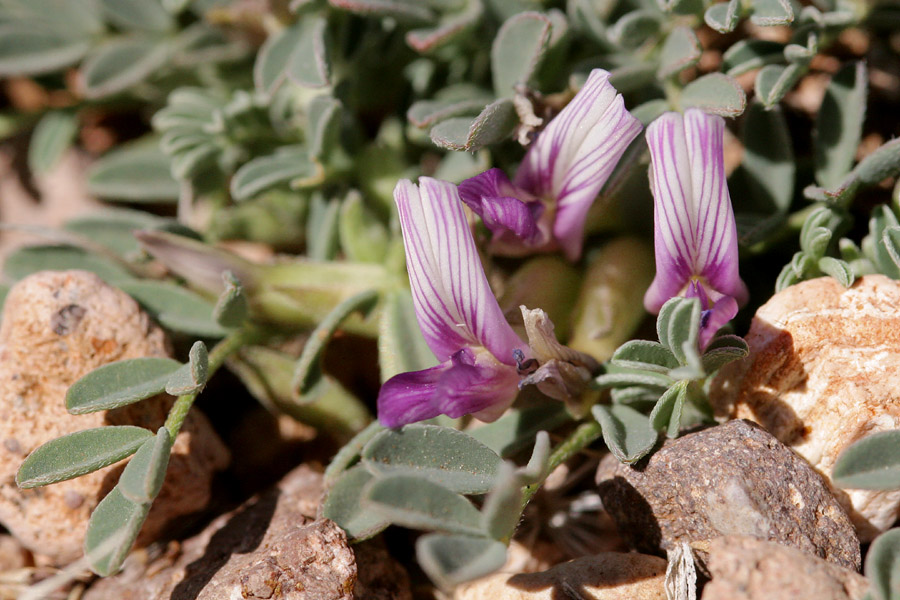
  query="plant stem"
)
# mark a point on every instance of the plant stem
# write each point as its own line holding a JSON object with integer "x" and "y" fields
{"x": 233, "y": 342}
{"x": 581, "y": 438}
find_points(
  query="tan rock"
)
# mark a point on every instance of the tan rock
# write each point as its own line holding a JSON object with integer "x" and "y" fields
{"x": 57, "y": 327}
{"x": 605, "y": 576}
{"x": 271, "y": 547}
{"x": 744, "y": 568}
{"x": 823, "y": 372}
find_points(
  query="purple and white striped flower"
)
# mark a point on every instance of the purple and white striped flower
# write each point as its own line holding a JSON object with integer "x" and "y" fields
{"x": 457, "y": 312}
{"x": 694, "y": 232}
{"x": 546, "y": 206}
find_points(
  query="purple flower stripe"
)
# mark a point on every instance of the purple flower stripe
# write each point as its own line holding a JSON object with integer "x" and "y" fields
{"x": 501, "y": 205}
{"x": 454, "y": 303}
{"x": 457, "y": 387}
{"x": 670, "y": 181}
{"x": 543, "y": 169}
{"x": 715, "y": 232}
{"x": 437, "y": 316}
{"x": 591, "y": 167}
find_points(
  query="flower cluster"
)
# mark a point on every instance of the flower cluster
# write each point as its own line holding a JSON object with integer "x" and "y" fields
{"x": 544, "y": 207}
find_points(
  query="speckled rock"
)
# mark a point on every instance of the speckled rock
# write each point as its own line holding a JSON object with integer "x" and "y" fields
{"x": 271, "y": 547}
{"x": 733, "y": 479}
{"x": 748, "y": 569}
{"x": 605, "y": 576}
{"x": 57, "y": 327}
{"x": 823, "y": 372}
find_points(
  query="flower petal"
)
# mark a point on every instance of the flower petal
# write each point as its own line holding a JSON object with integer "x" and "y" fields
{"x": 502, "y": 206}
{"x": 454, "y": 304}
{"x": 573, "y": 157}
{"x": 713, "y": 319}
{"x": 673, "y": 210}
{"x": 716, "y": 254}
{"x": 457, "y": 387}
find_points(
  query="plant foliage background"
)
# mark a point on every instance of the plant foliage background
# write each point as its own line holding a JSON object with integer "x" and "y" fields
{"x": 288, "y": 124}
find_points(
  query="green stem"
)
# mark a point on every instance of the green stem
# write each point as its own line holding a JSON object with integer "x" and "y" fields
{"x": 580, "y": 439}
{"x": 233, "y": 342}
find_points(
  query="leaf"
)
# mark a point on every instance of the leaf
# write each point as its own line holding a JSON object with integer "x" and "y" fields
{"x": 112, "y": 530}
{"x": 120, "y": 383}
{"x": 635, "y": 28}
{"x": 517, "y": 50}
{"x": 838, "y": 269}
{"x": 666, "y": 414}
{"x": 724, "y": 16}
{"x": 322, "y": 228}
{"x": 627, "y": 432}
{"x": 839, "y": 124}
{"x": 113, "y": 227}
{"x": 768, "y": 158}
{"x": 452, "y": 26}
{"x": 308, "y": 370}
{"x": 135, "y": 173}
{"x": 502, "y": 508}
{"x": 143, "y": 15}
{"x": 883, "y": 565}
{"x": 518, "y": 427}
{"x": 680, "y": 50}
{"x": 52, "y": 136}
{"x": 145, "y": 473}
{"x": 324, "y": 117}
{"x": 269, "y": 69}
{"x": 121, "y": 63}
{"x": 342, "y": 505}
{"x": 723, "y": 350}
{"x": 401, "y": 345}
{"x": 31, "y": 51}
{"x": 175, "y": 307}
{"x": 440, "y": 454}
{"x": 771, "y": 12}
{"x": 871, "y": 463}
{"x": 644, "y": 355}
{"x": 774, "y": 81}
{"x": 406, "y": 10}
{"x": 615, "y": 377}
{"x": 31, "y": 259}
{"x": 285, "y": 165}
{"x": 231, "y": 309}
{"x": 494, "y": 124}
{"x": 79, "y": 453}
{"x": 715, "y": 93}
{"x": 746, "y": 55}
{"x": 420, "y": 503}
{"x": 426, "y": 113}
{"x": 679, "y": 323}
{"x": 190, "y": 378}
{"x": 308, "y": 64}
{"x": 877, "y": 166}
{"x": 363, "y": 238}
{"x": 453, "y": 559}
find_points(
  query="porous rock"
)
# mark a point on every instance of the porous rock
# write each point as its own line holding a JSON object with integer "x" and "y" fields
{"x": 732, "y": 479}
{"x": 271, "y": 547}
{"x": 745, "y": 568}
{"x": 58, "y": 326}
{"x": 824, "y": 372}
{"x": 605, "y": 576}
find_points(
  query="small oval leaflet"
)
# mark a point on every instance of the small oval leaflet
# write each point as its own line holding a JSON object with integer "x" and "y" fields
{"x": 453, "y": 559}
{"x": 883, "y": 566}
{"x": 112, "y": 530}
{"x": 144, "y": 474}
{"x": 418, "y": 503}
{"x": 79, "y": 453}
{"x": 175, "y": 307}
{"x": 445, "y": 456}
{"x": 191, "y": 377}
{"x": 343, "y": 505}
{"x": 627, "y": 432}
{"x": 119, "y": 384}
{"x": 872, "y": 463}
